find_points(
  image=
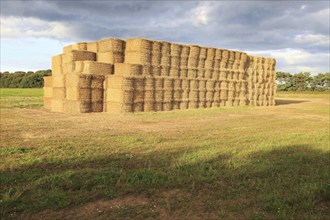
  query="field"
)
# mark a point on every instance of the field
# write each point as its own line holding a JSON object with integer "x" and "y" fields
{"x": 221, "y": 163}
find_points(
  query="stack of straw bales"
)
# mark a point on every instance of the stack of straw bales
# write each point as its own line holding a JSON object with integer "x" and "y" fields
{"x": 141, "y": 75}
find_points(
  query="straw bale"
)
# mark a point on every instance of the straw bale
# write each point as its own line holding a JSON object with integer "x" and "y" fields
{"x": 184, "y": 62}
{"x": 138, "y": 96}
{"x": 166, "y": 48}
{"x": 76, "y": 93}
{"x": 47, "y": 102}
{"x": 59, "y": 93}
{"x": 228, "y": 103}
{"x": 118, "y": 107}
{"x": 97, "y": 81}
{"x": 159, "y": 95}
{"x": 177, "y": 84}
{"x": 111, "y": 45}
{"x": 138, "y": 107}
{"x": 184, "y": 105}
{"x": 216, "y": 64}
{"x": 209, "y": 96}
{"x": 216, "y": 96}
{"x": 185, "y": 51}
{"x": 110, "y": 57}
{"x": 185, "y": 94}
{"x": 231, "y": 94}
{"x": 77, "y": 55}
{"x": 97, "y": 106}
{"x": 125, "y": 69}
{"x": 175, "y": 50}
{"x": 202, "y": 104}
{"x": 77, "y": 46}
{"x": 210, "y": 85}
{"x": 156, "y": 70}
{"x": 217, "y": 85}
{"x": 118, "y": 95}
{"x": 202, "y": 95}
{"x": 97, "y": 68}
{"x": 159, "y": 83}
{"x": 223, "y": 94}
{"x": 194, "y": 84}
{"x": 174, "y": 72}
{"x": 193, "y": 95}
{"x": 208, "y": 104}
{"x": 192, "y": 63}
{"x": 137, "y": 57}
{"x": 193, "y": 104}
{"x": 200, "y": 73}
{"x": 165, "y": 60}
{"x": 168, "y": 95}
{"x": 216, "y": 104}
{"x": 223, "y": 64}
{"x": 167, "y": 106}
{"x": 209, "y": 64}
{"x": 223, "y": 75}
{"x": 92, "y": 46}
{"x": 223, "y": 84}
{"x": 85, "y": 81}
{"x": 68, "y": 67}
{"x": 201, "y": 63}
{"x": 175, "y": 61}
{"x": 156, "y": 58}
{"x": 175, "y": 105}
{"x": 218, "y": 54}
{"x": 57, "y": 105}
{"x": 146, "y": 70}
{"x": 97, "y": 94}
{"x": 177, "y": 95}
{"x": 48, "y": 92}
{"x": 148, "y": 106}
{"x": 210, "y": 54}
{"x": 149, "y": 83}
{"x": 149, "y": 95}
{"x": 158, "y": 106}
{"x": 183, "y": 72}
{"x": 139, "y": 44}
{"x": 202, "y": 84}
{"x": 47, "y": 81}
{"x": 165, "y": 70}
{"x": 192, "y": 73}
{"x": 168, "y": 83}
{"x": 215, "y": 74}
{"x": 57, "y": 65}
{"x": 139, "y": 83}
{"x": 194, "y": 52}
{"x": 72, "y": 80}
{"x": 224, "y": 54}
{"x": 156, "y": 46}
{"x": 203, "y": 53}
{"x": 208, "y": 73}
{"x": 185, "y": 84}
{"x": 58, "y": 80}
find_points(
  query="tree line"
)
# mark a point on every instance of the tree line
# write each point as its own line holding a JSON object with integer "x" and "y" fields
{"x": 303, "y": 81}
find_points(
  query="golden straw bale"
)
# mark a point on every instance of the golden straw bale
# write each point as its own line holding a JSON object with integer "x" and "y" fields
{"x": 156, "y": 46}
{"x": 97, "y": 68}
{"x": 167, "y": 106}
{"x": 92, "y": 46}
{"x": 156, "y": 70}
{"x": 183, "y": 73}
{"x": 119, "y": 107}
{"x": 159, "y": 83}
{"x": 110, "y": 57}
{"x": 174, "y": 72}
{"x": 76, "y": 93}
{"x": 138, "y": 96}
{"x": 166, "y": 48}
{"x": 201, "y": 63}
{"x": 149, "y": 95}
{"x": 148, "y": 106}
{"x": 175, "y": 50}
{"x": 97, "y": 81}
{"x": 48, "y": 92}
{"x": 200, "y": 73}
{"x": 202, "y": 95}
{"x": 47, "y": 102}
{"x": 192, "y": 63}
{"x": 111, "y": 45}
{"x": 139, "y": 45}
{"x": 138, "y": 107}
{"x": 138, "y": 57}
{"x": 97, "y": 94}
{"x": 77, "y": 55}
{"x": 168, "y": 95}
{"x": 194, "y": 52}
{"x": 209, "y": 64}
{"x": 139, "y": 83}
{"x": 203, "y": 53}
{"x": 159, "y": 95}
{"x": 76, "y": 46}
{"x": 58, "y": 80}
{"x": 125, "y": 69}
{"x": 59, "y": 93}
{"x": 177, "y": 95}
{"x": 192, "y": 73}
{"x": 185, "y": 49}
{"x": 156, "y": 58}
{"x": 175, "y": 105}
{"x": 57, "y": 65}
{"x": 184, "y": 62}
{"x": 47, "y": 81}
{"x": 175, "y": 61}
{"x": 208, "y": 73}
{"x": 184, "y": 105}
{"x": 218, "y": 54}
{"x": 164, "y": 70}
{"x": 146, "y": 70}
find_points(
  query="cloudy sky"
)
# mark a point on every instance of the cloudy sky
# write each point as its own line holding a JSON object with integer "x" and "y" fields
{"x": 296, "y": 33}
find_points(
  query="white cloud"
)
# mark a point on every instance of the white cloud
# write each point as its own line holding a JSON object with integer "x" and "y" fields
{"x": 16, "y": 27}
{"x": 312, "y": 39}
{"x": 200, "y": 15}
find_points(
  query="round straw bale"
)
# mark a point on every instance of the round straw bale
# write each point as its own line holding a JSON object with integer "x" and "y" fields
{"x": 150, "y": 83}
{"x": 128, "y": 83}
{"x": 146, "y": 70}
{"x": 223, "y": 94}
{"x": 139, "y": 83}
{"x": 216, "y": 96}
{"x": 168, "y": 95}
{"x": 193, "y": 95}
{"x": 175, "y": 105}
{"x": 149, "y": 95}
{"x": 138, "y": 44}
{"x": 159, "y": 83}
{"x": 185, "y": 94}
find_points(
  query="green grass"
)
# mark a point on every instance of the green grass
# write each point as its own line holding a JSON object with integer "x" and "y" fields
{"x": 21, "y": 98}
{"x": 231, "y": 163}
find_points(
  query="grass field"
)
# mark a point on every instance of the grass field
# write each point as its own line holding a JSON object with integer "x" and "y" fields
{"x": 222, "y": 163}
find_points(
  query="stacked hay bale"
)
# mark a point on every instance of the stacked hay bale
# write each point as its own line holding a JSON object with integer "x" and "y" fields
{"x": 140, "y": 75}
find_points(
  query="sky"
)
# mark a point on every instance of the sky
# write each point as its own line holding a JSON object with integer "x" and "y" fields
{"x": 295, "y": 33}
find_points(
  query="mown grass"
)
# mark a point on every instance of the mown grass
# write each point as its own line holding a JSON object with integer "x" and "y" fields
{"x": 231, "y": 163}
{"x": 21, "y": 98}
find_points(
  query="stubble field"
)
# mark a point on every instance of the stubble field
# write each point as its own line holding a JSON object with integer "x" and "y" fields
{"x": 221, "y": 163}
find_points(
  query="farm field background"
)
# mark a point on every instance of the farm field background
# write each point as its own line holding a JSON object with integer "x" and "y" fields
{"x": 224, "y": 163}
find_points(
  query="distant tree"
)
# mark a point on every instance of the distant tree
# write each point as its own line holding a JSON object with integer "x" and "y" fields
{"x": 301, "y": 81}
{"x": 20, "y": 79}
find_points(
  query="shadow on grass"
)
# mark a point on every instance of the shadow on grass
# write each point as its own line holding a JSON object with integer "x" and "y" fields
{"x": 286, "y": 182}
{"x": 287, "y": 102}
